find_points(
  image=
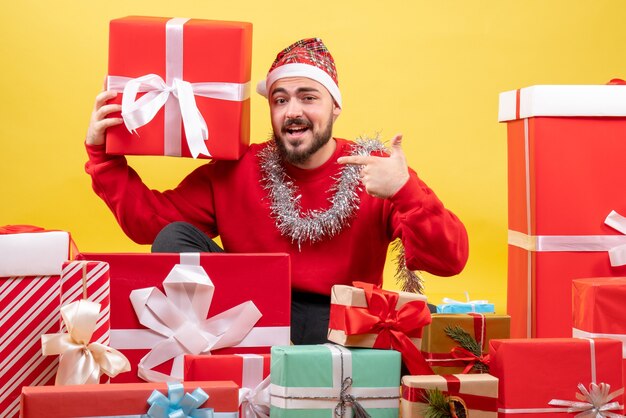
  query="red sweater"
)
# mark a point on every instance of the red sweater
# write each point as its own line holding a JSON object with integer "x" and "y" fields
{"x": 227, "y": 198}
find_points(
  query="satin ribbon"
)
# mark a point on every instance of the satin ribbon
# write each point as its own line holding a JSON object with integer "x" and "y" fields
{"x": 177, "y": 404}
{"x": 177, "y": 95}
{"x": 340, "y": 395}
{"x": 595, "y": 402}
{"x": 80, "y": 361}
{"x": 255, "y": 402}
{"x": 392, "y": 326}
{"x": 578, "y": 333}
{"x": 466, "y": 356}
{"x": 254, "y": 395}
{"x": 179, "y": 319}
{"x": 615, "y": 245}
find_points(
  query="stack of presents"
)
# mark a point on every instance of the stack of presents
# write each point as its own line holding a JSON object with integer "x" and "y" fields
{"x": 205, "y": 335}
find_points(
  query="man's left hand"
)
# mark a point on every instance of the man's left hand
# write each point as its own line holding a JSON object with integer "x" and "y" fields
{"x": 382, "y": 176}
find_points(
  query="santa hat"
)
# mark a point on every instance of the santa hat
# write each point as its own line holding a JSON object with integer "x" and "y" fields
{"x": 306, "y": 58}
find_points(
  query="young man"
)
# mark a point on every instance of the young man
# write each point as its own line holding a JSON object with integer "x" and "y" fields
{"x": 326, "y": 201}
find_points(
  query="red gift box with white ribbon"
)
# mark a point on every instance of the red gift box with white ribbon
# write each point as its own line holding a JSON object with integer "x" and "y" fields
{"x": 185, "y": 87}
{"x": 164, "y": 306}
{"x": 553, "y": 377}
{"x": 31, "y": 260}
{"x": 565, "y": 180}
{"x": 249, "y": 371}
{"x": 599, "y": 310}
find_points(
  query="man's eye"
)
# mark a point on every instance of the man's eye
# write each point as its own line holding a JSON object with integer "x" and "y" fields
{"x": 309, "y": 98}
{"x": 280, "y": 100}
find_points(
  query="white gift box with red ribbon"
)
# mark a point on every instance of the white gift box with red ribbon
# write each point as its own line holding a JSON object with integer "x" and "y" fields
{"x": 30, "y": 268}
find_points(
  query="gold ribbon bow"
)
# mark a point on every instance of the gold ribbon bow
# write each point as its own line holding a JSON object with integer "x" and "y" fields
{"x": 594, "y": 403}
{"x": 81, "y": 362}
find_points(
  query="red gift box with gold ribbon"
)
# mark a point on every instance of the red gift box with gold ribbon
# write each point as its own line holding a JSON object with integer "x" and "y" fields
{"x": 184, "y": 84}
{"x": 364, "y": 315}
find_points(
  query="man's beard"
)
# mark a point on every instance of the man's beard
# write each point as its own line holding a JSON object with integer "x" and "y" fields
{"x": 300, "y": 156}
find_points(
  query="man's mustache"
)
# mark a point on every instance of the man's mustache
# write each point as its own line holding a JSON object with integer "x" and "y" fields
{"x": 296, "y": 122}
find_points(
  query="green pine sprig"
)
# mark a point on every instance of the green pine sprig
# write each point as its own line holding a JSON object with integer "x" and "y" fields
{"x": 465, "y": 340}
{"x": 438, "y": 405}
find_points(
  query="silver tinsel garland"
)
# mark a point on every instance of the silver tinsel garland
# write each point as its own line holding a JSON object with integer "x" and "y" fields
{"x": 316, "y": 225}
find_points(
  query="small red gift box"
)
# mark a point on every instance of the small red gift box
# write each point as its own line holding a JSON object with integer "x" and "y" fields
{"x": 542, "y": 376}
{"x": 249, "y": 371}
{"x": 128, "y": 399}
{"x": 174, "y": 328}
{"x": 565, "y": 148}
{"x": 599, "y": 310}
{"x": 364, "y": 315}
{"x": 196, "y": 78}
{"x": 30, "y": 265}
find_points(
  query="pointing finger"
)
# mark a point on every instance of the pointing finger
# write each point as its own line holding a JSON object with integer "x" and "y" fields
{"x": 354, "y": 159}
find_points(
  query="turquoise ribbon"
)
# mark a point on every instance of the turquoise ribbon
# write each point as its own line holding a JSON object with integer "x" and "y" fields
{"x": 177, "y": 404}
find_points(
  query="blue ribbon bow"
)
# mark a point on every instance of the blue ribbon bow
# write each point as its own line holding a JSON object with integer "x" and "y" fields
{"x": 178, "y": 404}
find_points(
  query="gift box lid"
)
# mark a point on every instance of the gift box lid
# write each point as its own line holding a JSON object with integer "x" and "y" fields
{"x": 33, "y": 253}
{"x": 599, "y": 305}
{"x": 563, "y": 100}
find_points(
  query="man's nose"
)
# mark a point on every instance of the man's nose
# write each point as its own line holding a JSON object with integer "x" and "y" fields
{"x": 294, "y": 109}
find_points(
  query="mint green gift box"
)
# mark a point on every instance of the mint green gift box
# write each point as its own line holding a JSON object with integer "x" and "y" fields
{"x": 311, "y": 381}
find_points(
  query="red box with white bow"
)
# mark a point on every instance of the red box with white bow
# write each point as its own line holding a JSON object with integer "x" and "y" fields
{"x": 545, "y": 376}
{"x": 164, "y": 306}
{"x": 565, "y": 176}
{"x": 249, "y": 371}
{"x": 31, "y": 260}
{"x": 599, "y": 310}
{"x": 188, "y": 80}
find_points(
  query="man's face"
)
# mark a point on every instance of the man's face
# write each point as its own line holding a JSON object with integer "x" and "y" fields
{"x": 303, "y": 113}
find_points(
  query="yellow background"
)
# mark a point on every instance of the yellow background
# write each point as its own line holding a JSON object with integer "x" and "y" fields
{"x": 429, "y": 69}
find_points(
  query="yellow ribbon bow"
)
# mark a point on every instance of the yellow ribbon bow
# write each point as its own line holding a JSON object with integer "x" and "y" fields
{"x": 81, "y": 362}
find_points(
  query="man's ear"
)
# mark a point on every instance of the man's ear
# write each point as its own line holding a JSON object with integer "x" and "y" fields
{"x": 336, "y": 111}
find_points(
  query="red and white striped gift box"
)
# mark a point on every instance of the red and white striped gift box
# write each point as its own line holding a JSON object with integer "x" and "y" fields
{"x": 88, "y": 280}
{"x": 29, "y": 307}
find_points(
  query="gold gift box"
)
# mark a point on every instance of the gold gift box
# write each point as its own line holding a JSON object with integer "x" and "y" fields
{"x": 437, "y": 345}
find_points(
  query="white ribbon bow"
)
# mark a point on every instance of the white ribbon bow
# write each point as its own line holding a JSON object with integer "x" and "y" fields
{"x": 181, "y": 319}
{"x": 594, "y": 402}
{"x": 255, "y": 403}
{"x": 137, "y": 113}
{"x": 81, "y": 362}
{"x": 617, "y": 254}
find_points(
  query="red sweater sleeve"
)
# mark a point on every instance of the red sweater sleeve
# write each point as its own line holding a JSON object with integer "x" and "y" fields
{"x": 435, "y": 240}
{"x": 142, "y": 212}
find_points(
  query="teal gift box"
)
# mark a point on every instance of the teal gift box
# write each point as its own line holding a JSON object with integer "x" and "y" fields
{"x": 329, "y": 380}
{"x": 451, "y": 306}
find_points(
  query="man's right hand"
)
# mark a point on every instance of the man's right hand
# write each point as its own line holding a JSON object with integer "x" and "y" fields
{"x": 99, "y": 121}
